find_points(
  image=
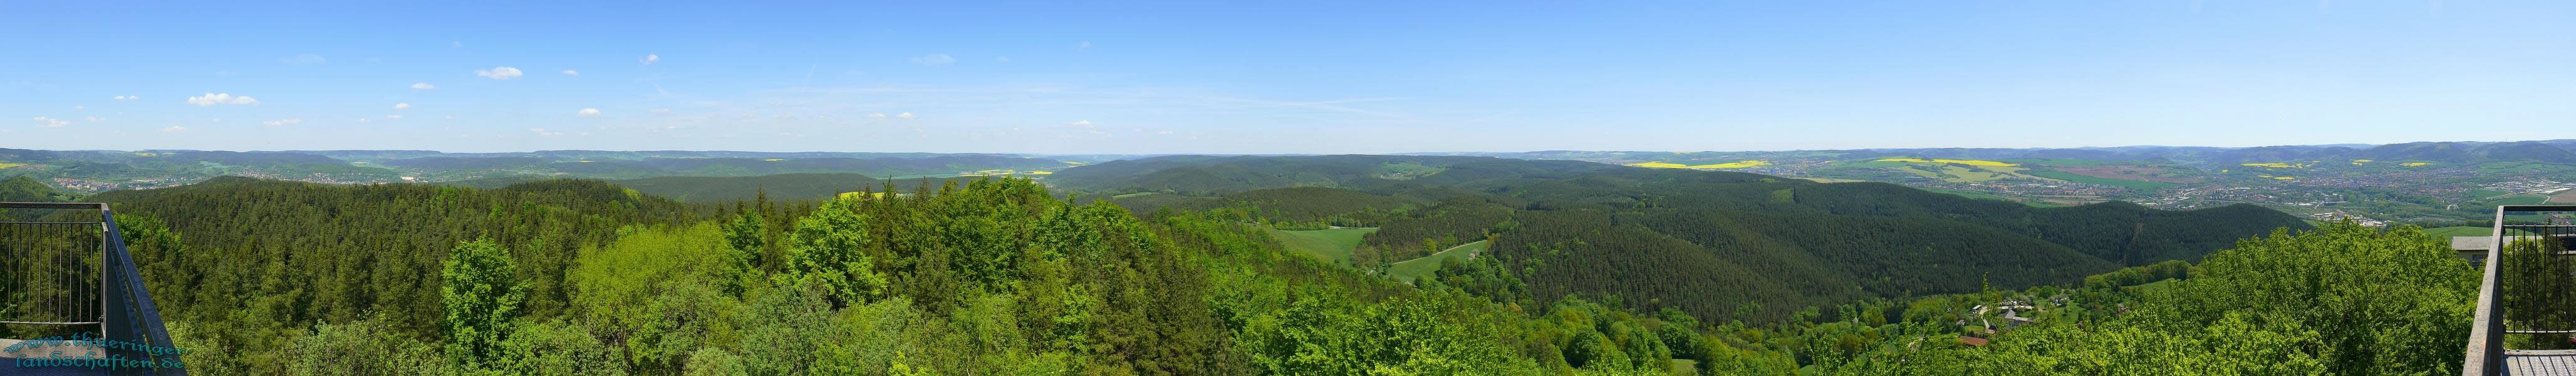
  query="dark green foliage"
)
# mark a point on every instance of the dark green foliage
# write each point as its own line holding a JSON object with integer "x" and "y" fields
{"x": 998, "y": 277}
{"x": 1706, "y": 242}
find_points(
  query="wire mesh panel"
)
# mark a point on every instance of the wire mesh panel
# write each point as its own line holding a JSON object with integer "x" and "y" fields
{"x": 50, "y": 274}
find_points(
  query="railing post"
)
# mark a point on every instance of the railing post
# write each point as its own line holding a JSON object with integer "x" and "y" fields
{"x": 2486, "y": 332}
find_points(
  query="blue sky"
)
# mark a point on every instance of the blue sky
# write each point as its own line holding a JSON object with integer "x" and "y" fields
{"x": 1282, "y": 77}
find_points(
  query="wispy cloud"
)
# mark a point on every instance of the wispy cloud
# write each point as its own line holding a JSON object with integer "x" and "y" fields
{"x": 905, "y": 116}
{"x": 587, "y": 112}
{"x": 424, "y": 86}
{"x": 281, "y": 122}
{"x": 500, "y": 73}
{"x": 122, "y": 97}
{"x": 569, "y": 72}
{"x": 401, "y": 106}
{"x": 211, "y": 99}
{"x": 544, "y": 132}
{"x": 1330, "y": 105}
{"x": 303, "y": 59}
{"x": 934, "y": 59}
{"x": 649, "y": 59}
{"x": 174, "y": 128}
{"x": 51, "y": 122}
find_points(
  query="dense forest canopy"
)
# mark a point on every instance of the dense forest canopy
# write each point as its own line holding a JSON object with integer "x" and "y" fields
{"x": 1718, "y": 245}
{"x": 1596, "y": 271}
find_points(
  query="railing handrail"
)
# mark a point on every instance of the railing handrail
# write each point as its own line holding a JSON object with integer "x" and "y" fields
{"x": 2486, "y": 332}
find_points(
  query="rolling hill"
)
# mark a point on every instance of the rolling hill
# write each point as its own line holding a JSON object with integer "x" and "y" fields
{"x": 1709, "y": 243}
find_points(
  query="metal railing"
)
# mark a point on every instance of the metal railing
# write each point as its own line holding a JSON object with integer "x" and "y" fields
{"x": 2513, "y": 224}
{"x": 50, "y": 276}
{"x": 118, "y": 303}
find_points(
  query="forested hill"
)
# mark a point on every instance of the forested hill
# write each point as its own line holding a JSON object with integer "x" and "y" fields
{"x": 268, "y": 277}
{"x": 1206, "y": 175}
{"x": 804, "y": 186}
{"x": 1715, "y": 244}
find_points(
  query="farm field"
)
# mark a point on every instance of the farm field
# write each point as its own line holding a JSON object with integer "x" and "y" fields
{"x": 2463, "y": 231}
{"x": 1333, "y": 245}
{"x": 2138, "y": 173}
{"x": 2564, "y": 197}
{"x": 1408, "y": 270}
{"x": 2133, "y": 185}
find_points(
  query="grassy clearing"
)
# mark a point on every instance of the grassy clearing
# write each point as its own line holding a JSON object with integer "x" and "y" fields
{"x": 1408, "y": 270}
{"x": 9, "y": 165}
{"x": 2133, "y": 185}
{"x": 1965, "y": 175}
{"x": 1333, "y": 245}
{"x": 1918, "y": 172}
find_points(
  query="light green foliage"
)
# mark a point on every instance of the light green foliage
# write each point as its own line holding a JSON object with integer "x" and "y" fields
{"x": 556, "y": 348}
{"x": 482, "y": 301}
{"x": 362, "y": 348}
{"x": 828, "y": 251}
{"x": 651, "y": 291}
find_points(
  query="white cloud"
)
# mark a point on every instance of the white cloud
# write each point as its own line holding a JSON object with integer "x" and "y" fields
{"x": 394, "y": 117}
{"x": 650, "y": 58}
{"x": 1084, "y": 46}
{"x": 661, "y": 111}
{"x": 544, "y": 132}
{"x": 303, "y": 59}
{"x": 876, "y": 115}
{"x": 569, "y": 72}
{"x": 934, "y": 59}
{"x": 211, "y": 99}
{"x": 366, "y": 120}
{"x": 587, "y": 112}
{"x": 399, "y": 106}
{"x": 78, "y": 108}
{"x": 120, "y": 97}
{"x": 94, "y": 119}
{"x": 500, "y": 73}
{"x": 175, "y": 128}
{"x": 281, "y": 122}
{"x": 1084, "y": 124}
{"x": 424, "y": 86}
{"x": 52, "y": 122}
{"x": 1167, "y": 133}
{"x": 905, "y": 116}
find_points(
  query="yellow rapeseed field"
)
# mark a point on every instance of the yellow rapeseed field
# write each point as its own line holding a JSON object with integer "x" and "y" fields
{"x": 2277, "y": 165}
{"x": 2416, "y": 164}
{"x": 9, "y": 165}
{"x": 1970, "y": 162}
{"x": 1041, "y": 172}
